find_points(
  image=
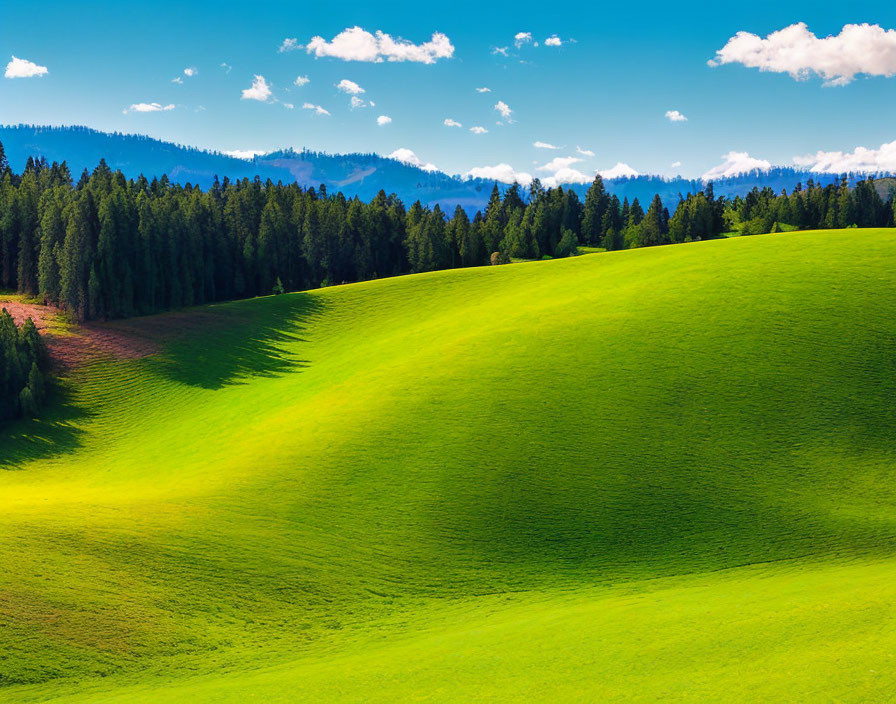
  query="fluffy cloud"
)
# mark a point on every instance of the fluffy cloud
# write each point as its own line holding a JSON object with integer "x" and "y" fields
{"x": 675, "y": 116}
{"x": 260, "y": 90}
{"x": 621, "y": 170}
{"x": 521, "y": 38}
{"x": 22, "y": 68}
{"x": 567, "y": 176}
{"x": 383, "y": 120}
{"x": 553, "y": 41}
{"x": 191, "y": 71}
{"x": 501, "y": 50}
{"x": 860, "y": 160}
{"x": 452, "y": 123}
{"x": 318, "y": 110}
{"x": 350, "y": 87}
{"x": 178, "y": 79}
{"x": 289, "y": 44}
{"x": 356, "y": 44}
{"x": 543, "y": 145}
{"x": 584, "y": 152}
{"x": 478, "y": 129}
{"x": 561, "y": 171}
{"x": 483, "y": 90}
{"x": 558, "y": 163}
{"x": 149, "y": 107}
{"x": 244, "y": 153}
{"x": 504, "y": 173}
{"x": 406, "y": 156}
{"x": 736, "y": 163}
{"x": 859, "y": 48}
{"x": 301, "y": 81}
{"x": 357, "y": 102}
{"x": 504, "y": 109}
{"x": 675, "y": 164}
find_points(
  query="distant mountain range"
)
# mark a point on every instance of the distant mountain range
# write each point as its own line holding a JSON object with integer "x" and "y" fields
{"x": 354, "y": 174}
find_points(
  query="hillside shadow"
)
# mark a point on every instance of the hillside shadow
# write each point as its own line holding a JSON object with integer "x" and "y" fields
{"x": 224, "y": 345}
{"x": 56, "y": 432}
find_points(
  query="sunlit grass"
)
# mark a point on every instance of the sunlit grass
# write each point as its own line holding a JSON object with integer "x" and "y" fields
{"x": 538, "y": 481}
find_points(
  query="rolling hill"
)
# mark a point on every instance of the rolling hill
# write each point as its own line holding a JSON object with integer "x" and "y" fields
{"x": 655, "y": 474}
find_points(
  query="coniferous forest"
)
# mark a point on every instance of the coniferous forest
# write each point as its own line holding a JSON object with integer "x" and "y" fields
{"x": 23, "y": 366}
{"x": 106, "y": 246}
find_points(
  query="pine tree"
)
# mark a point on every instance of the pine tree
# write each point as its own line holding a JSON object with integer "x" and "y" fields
{"x": 654, "y": 225}
{"x": 596, "y": 202}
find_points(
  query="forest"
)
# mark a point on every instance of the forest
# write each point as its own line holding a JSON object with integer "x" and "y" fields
{"x": 106, "y": 246}
{"x": 23, "y": 368}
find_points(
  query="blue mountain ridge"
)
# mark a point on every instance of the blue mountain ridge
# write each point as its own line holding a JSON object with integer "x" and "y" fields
{"x": 362, "y": 175}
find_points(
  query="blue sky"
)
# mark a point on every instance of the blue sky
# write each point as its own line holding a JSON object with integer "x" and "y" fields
{"x": 606, "y": 89}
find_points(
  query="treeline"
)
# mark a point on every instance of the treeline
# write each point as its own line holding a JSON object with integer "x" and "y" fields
{"x": 23, "y": 366}
{"x": 811, "y": 208}
{"x": 107, "y": 246}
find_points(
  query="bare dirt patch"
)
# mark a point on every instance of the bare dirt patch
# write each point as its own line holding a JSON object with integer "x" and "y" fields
{"x": 72, "y": 344}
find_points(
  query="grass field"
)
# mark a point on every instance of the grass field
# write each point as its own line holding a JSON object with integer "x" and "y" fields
{"x": 659, "y": 474}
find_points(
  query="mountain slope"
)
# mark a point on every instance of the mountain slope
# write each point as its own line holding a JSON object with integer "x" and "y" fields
{"x": 363, "y": 175}
{"x": 541, "y": 480}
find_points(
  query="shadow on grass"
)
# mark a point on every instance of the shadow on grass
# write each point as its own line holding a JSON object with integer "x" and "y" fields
{"x": 55, "y": 433}
{"x": 224, "y": 345}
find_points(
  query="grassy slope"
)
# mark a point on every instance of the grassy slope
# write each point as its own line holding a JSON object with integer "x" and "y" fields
{"x": 545, "y": 479}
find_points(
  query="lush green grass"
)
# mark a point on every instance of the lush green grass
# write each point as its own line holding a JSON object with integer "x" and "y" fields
{"x": 662, "y": 473}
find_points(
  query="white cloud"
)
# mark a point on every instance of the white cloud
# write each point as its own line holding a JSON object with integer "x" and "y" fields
{"x": 501, "y": 50}
{"x": 356, "y": 44}
{"x": 149, "y": 107}
{"x": 675, "y": 164}
{"x": 675, "y": 116}
{"x": 350, "y": 87}
{"x": 452, "y": 123}
{"x": 859, "y": 48}
{"x": 860, "y": 160}
{"x": 260, "y": 90}
{"x": 191, "y": 71}
{"x": 521, "y": 38}
{"x": 289, "y": 44}
{"x": 621, "y": 170}
{"x": 318, "y": 110}
{"x": 553, "y": 41}
{"x": 478, "y": 129}
{"x": 736, "y": 163}
{"x": 504, "y": 109}
{"x": 558, "y": 163}
{"x": 561, "y": 171}
{"x": 22, "y": 68}
{"x": 244, "y": 153}
{"x": 406, "y": 156}
{"x": 584, "y": 152}
{"x": 567, "y": 175}
{"x": 483, "y": 90}
{"x": 357, "y": 102}
{"x": 383, "y": 120}
{"x": 543, "y": 145}
{"x": 179, "y": 80}
{"x": 504, "y": 173}
{"x": 301, "y": 81}
{"x": 226, "y": 66}
{"x": 288, "y": 106}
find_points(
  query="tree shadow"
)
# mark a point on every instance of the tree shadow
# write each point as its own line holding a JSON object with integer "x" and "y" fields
{"x": 226, "y": 344}
{"x": 55, "y": 432}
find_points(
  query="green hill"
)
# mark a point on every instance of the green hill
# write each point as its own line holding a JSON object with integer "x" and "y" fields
{"x": 653, "y": 474}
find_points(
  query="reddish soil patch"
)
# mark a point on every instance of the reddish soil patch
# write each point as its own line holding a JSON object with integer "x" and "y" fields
{"x": 84, "y": 342}
{"x": 41, "y": 315}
